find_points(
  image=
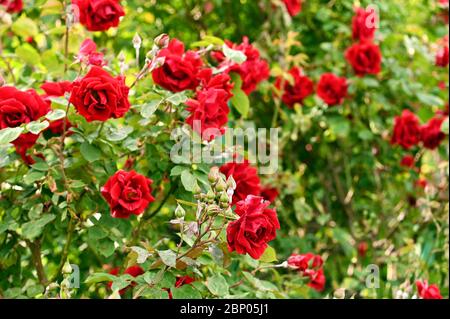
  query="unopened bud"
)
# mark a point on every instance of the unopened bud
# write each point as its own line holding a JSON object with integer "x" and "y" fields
{"x": 213, "y": 174}
{"x": 224, "y": 198}
{"x": 121, "y": 57}
{"x": 210, "y": 195}
{"x": 197, "y": 189}
{"x": 180, "y": 212}
{"x": 162, "y": 40}
{"x": 224, "y": 205}
{"x": 231, "y": 183}
{"x": 137, "y": 41}
{"x": 221, "y": 185}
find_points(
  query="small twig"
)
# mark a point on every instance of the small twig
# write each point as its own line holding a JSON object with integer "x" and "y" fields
{"x": 35, "y": 248}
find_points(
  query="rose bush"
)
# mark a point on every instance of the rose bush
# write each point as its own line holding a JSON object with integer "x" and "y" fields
{"x": 112, "y": 115}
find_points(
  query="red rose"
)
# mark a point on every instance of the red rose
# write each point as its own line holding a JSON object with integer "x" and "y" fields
{"x": 255, "y": 227}
{"x": 57, "y": 127}
{"x": 428, "y": 291}
{"x": 209, "y": 113}
{"x": 332, "y": 89}
{"x": 442, "y": 57}
{"x": 269, "y": 193}
{"x": 293, "y": 7}
{"x": 88, "y": 53}
{"x": 127, "y": 193}
{"x": 246, "y": 178}
{"x": 421, "y": 182}
{"x": 220, "y": 81}
{"x": 407, "y": 161}
{"x": 431, "y": 134}
{"x": 99, "y": 96}
{"x": 364, "y": 24}
{"x": 180, "y": 69}
{"x": 17, "y": 108}
{"x": 253, "y": 71}
{"x": 12, "y": 5}
{"x": 365, "y": 58}
{"x": 362, "y": 248}
{"x": 57, "y": 88}
{"x": 309, "y": 265}
{"x": 134, "y": 271}
{"x": 406, "y": 130}
{"x": 297, "y": 91}
{"x": 317, "y": 280}
{"x": 304, "y": 262}
{"x": 98, "y": 15}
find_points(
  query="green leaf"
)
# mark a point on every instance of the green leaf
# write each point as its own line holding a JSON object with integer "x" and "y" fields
{"x": 149, "y": 108}
{"x": 36, "y": 127}
{"x": 142, "y": 254}
{"x": 34, "y": 228}
{"x": 40, "y": 166}
{"x": 168, "y": 257}
{"x": 25, "y": 27}
{"x": 28, "y": 54}
{"x": 55, "y": 115}
{"x": 269, "y": 255}
{"x": 188, "y": 180}
{"x": 118, "y": 134}
{"x": 340, "y": 126}
{"x": 234, "y": 55}
{"x": 177, "y": 98}
{"x": 444, "y": 127}
{"x": 90, "y": 152}
{"x": 99, "y": 277}
{"x": 428, "y": 99}
{"x": 217, "y": 285}
{"x": 177, "y": 170}
{"x": 33, "y": 176}
{"x": 186, "y": 292}
{"x": 240, "y": 101}
{"x": 105, "y": 247}
{"x": 10, "y": 134}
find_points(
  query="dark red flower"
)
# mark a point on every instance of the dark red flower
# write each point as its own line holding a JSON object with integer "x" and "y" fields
{"x": 180, "y": 281}
{"x": 252, "y": 72}
{"x": 297, "y": 91}
{"x": 220, "y": 81}
{"x": 442, "y": 57}
{"x": 365, "y": 58}
{"x": 362, "y": 248}
{"x": 332, "y": 89}
{"x": 99, "y": 96}
{"x": 127, "y": 193}
{"x": 209, "y": 113}
{"x": 293, "y": 7}
{"x": 21, "y": 107}
{"x": 246, "y": 178}
{"x": 98, "y": 15}
{"x": 428, "y": 291}
{"x": 88, "y": 54}
{"x": 180, "y": 69}
{"x": 431, "y": 134}
{"x": 407, "y": 161}
{"x": 364, "y": 24}
{"x": 269, "y": 193}
{"x": 406, "y": 130}
{"x": 57, "y": 88}
{"x": 255, "y": 227}
{"x": 309, "y": 265}
{"x": 12, "y": 6}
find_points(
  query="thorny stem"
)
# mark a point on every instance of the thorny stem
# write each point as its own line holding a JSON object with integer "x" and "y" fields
{"x": 35, "y": 248}
{"x": 65, "y": 251}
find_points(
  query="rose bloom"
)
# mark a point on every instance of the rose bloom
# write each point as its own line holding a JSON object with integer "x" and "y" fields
{"x": 252, "y": 72}
{"x": 431, "y": 134}
{"x": 309, "y": 265}
{"x": 269, "y": 193}
{"x": 297, "y": 91}
{"x": 219, "y": 81}
{"x": 12, "y": 6}
{"x": 442, "y": 57}
{"x": 209, "y": 113}
{"x": 365, "y": 58}
{"x": 180, "y": 69}
{"x": 99, "y": 96}
{"x": 56, "y": 88}
{"x": 21, "y": 107}
{"x": 406, "y": 130}
{"x": 127, "y": 193}
{"x": 332, "y": 89}
{"x": 293, "y": 7}
{"x": 88, "y": 53}
{"x": 246, "y": 178}
{"x": 99, "y": 15}
{"x": 362, "y": 248}
{"x": 364, "y": 24}
{"x": 255, "y": 227}
{"x": 407, "y": 161}
{"x": 134, "y": 271}
{"x": 428, "y": 291}
{"x": 180, "y": 281}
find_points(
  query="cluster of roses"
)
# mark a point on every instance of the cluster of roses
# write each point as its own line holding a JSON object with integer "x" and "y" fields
{"x": 311, "y": 266}
{"x": 184, "y": 70}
